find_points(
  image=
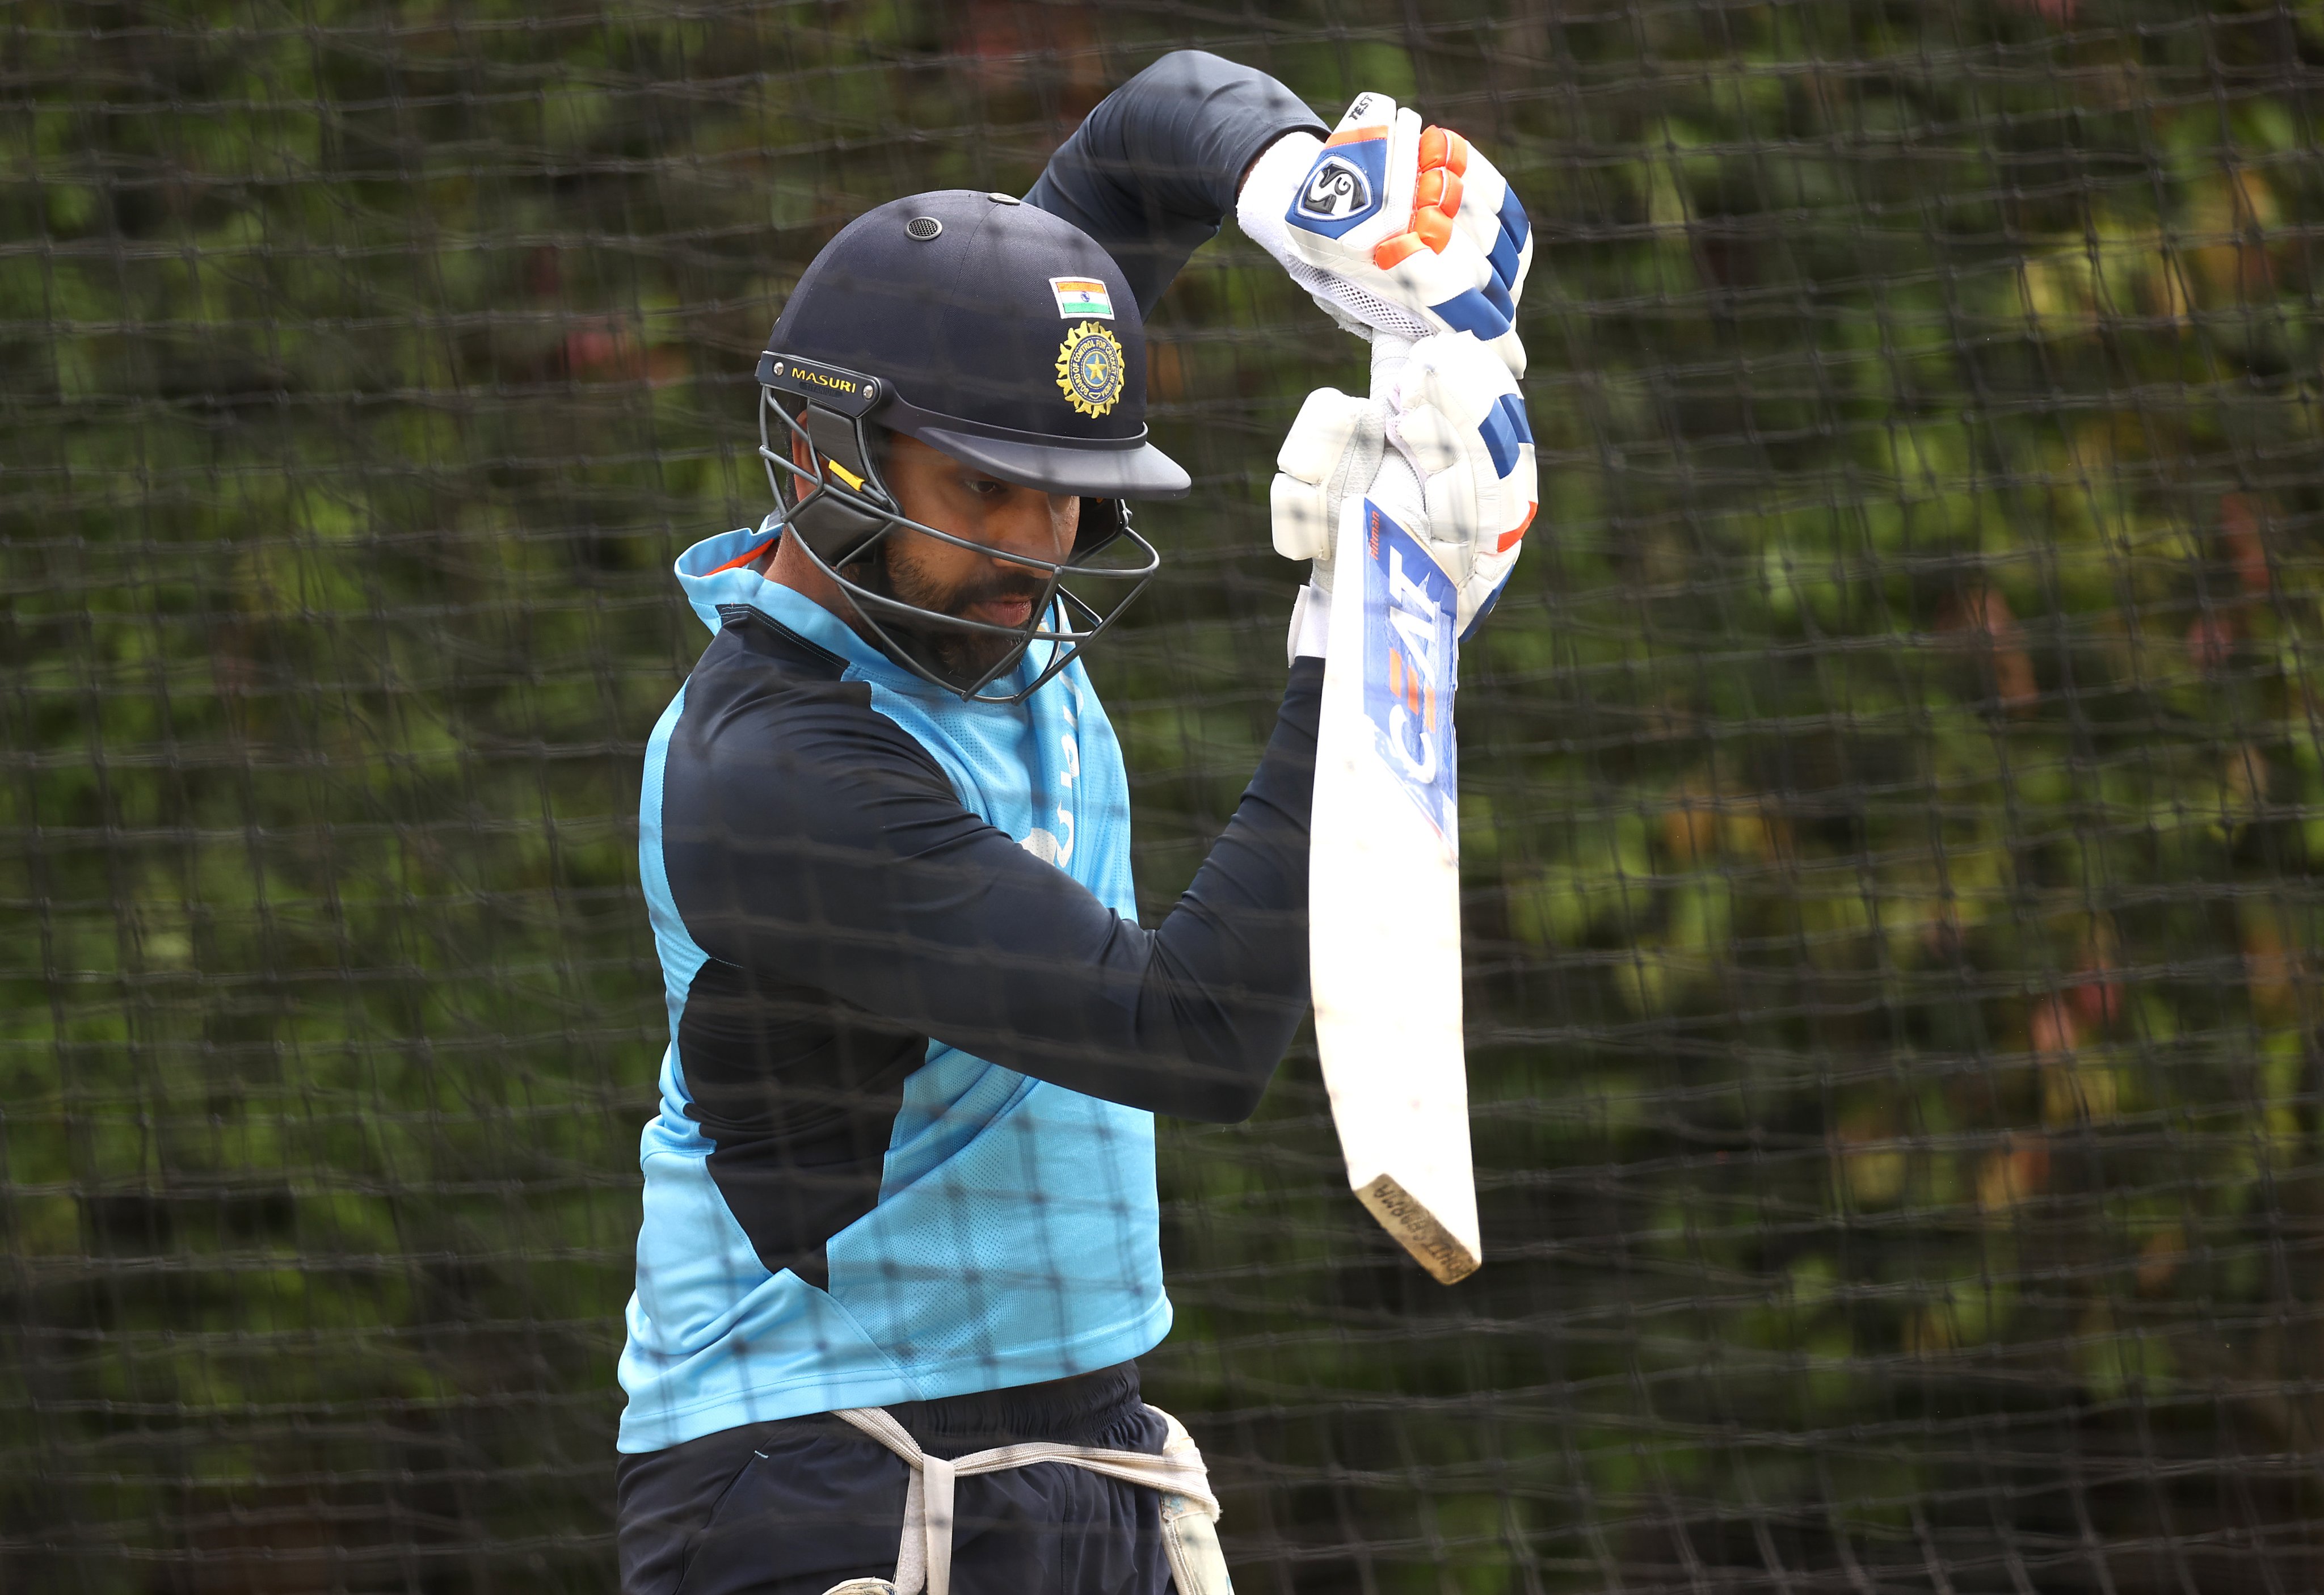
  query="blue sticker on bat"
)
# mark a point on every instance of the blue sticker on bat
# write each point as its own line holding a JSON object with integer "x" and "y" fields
{"x": 1410, "y": 662}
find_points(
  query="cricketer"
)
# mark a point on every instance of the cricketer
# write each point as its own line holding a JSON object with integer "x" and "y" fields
{"x": 899, "y": 1254}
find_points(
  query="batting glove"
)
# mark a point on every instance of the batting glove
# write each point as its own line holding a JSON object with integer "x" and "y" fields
{"x": 1329, "y": 459}
{"x": 1329, "y": 456}
{"x": 1455, "y": 415}
{"x": 1395, "y": 229}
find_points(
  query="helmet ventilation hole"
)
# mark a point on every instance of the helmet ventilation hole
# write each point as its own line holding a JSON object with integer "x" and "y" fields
{"x": 921, "y": 229}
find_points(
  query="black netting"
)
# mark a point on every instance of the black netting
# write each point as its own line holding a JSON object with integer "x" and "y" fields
{"x": 1892, "y": 783}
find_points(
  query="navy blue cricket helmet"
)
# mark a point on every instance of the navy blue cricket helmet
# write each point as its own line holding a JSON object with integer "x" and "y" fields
{"x": 1003, "y": 336}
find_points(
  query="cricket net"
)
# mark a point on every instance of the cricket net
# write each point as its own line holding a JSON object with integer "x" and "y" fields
{"x": 1892, "y": 784}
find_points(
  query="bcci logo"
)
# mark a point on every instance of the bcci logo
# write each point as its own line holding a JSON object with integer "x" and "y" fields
{"x": 1089, "y": 369}
{"x": 1336, "y": 190}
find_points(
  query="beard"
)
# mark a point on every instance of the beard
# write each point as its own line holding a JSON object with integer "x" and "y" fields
{"x": 962, "y": 656}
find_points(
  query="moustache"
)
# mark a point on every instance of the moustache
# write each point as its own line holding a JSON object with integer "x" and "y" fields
{"x": 1001, "y": 589}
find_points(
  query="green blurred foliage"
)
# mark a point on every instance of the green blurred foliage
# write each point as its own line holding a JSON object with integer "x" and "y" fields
{"x": 1892, "y": 786}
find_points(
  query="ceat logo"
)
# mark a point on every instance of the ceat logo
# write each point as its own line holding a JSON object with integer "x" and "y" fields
{"x": 1336, "y": 190}
{"x": 1410, "y": 661}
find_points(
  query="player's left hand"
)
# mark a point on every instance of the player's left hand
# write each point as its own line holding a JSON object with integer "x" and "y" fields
{"x": 1395, "y": 229}
{"x": 1456, "y": 414}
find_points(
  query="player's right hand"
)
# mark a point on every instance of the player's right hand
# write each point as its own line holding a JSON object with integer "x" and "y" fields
{"x": 1396, "y": 228}
{"x": 1456, "y": 414}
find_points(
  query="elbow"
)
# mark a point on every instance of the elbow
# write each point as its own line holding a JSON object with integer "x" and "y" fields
{"x": 1231, "y": 1095}
{"x": 1242, "y": 1052}
{"x": 1222, "y": 1047}
{"x": 1223, "y": 1107}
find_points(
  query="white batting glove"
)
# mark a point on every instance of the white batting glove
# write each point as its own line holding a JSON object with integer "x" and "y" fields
{"x": 1394, "y": 228}
{"x": 1330, "y": 457}
{"x": 1456, "y": 414}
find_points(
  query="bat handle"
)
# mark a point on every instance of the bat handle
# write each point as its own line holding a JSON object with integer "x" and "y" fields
{"x": 1395, "y": 486}
{"x": 1388, "y": 355}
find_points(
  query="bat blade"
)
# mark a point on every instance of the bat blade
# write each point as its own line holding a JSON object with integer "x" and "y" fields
{"x": 1384, "y": 895}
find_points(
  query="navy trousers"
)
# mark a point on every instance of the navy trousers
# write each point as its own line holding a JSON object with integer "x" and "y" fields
{"x": 798, "y": 1505}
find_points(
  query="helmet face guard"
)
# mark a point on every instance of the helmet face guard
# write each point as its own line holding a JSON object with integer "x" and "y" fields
{"x": 842, "y": 512}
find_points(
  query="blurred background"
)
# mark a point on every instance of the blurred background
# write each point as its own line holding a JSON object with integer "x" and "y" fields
{"x": 1892, "y": 789}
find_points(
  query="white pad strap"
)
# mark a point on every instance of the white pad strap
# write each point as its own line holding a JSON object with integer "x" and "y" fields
{"x": 924, "y": 1559}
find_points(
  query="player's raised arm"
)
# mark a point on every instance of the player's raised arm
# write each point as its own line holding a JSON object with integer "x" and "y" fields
{"x": 1152, "y": 171}
{"x": 1392, "y": 225}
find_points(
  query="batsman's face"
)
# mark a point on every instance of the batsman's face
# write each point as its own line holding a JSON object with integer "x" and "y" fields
{"x": 984, "y": 584}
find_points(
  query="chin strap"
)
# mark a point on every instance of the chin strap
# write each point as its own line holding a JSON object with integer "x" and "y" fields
{"x": 1189, "y": 1509}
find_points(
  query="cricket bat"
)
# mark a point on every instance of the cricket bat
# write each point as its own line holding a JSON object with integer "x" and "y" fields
{"x": 1384, "y": 890}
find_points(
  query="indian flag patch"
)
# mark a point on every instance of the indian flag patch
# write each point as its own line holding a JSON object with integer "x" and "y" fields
{"x": 1082, "y": 296}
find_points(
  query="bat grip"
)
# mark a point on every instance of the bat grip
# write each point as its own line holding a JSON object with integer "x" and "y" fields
{"x": 1389, "y": 357}
{"x": 1395, "y": 486}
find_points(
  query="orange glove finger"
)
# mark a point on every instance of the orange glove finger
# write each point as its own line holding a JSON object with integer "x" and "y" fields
{"x": 1441, "y": 146}
{"x": 1439, "y": 189}
{"x": 1392, "y": 252}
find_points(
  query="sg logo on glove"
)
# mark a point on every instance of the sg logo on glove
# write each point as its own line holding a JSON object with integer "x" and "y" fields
{"x": 1350, "y": 180}
{"x": 1337, "y": 191}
